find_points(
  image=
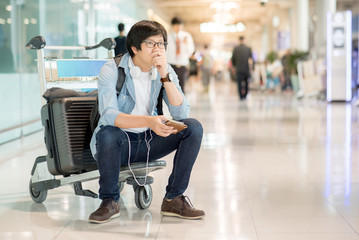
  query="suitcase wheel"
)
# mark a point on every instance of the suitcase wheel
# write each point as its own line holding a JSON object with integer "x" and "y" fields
{"x": 37, "y": 197}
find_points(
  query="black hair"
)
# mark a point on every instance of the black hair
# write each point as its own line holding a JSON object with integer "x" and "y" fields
{"x": 141, "y": 31}
{"x": 241, "y": 38}
{"x": 121, "y": 27}
{"x": 176, "y": 20}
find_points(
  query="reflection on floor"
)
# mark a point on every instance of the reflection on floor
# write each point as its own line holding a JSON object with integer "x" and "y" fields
{"x": 270, "y": 168}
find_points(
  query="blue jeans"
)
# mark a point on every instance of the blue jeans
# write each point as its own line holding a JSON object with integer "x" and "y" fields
{"x": 113, "y": 151}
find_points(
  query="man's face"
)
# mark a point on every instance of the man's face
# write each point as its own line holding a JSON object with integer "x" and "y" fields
{"x": 177, "y": 27}
{"x": 145, "y": 55}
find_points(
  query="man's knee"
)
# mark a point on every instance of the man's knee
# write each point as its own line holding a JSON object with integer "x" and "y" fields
{"x": 194, "y": 126}
{"x": 109, "y": 135}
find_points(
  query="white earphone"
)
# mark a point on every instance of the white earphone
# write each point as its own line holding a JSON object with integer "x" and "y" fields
{"x": 135, "y": 71}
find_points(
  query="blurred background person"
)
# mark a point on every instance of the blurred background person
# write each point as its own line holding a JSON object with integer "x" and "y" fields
{"x": 287, "y": 85}
{"x": 194, "y": 71}
{"x": 273, "y": 72}
{"x": 120, "y": 40}
{"x": 355, "y": 70}
{"x": 241, "y": 59}
{"x": 179, "y": 50}
{"x": 206, "y": 68}
{"x": 355, "y": 74}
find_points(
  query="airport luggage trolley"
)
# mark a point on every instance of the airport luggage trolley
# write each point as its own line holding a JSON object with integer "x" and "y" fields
{"x": 66, "y": 122}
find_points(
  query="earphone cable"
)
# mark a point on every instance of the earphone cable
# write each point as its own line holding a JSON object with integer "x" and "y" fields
{"x": 147, "y": 160}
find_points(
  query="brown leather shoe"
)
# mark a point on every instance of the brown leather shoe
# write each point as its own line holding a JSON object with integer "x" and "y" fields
{"x": 108, "y": 209}
{"x": 180, "y": 207}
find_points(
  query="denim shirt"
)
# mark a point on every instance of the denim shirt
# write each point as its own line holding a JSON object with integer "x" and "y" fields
{"x": 111, "y": 105}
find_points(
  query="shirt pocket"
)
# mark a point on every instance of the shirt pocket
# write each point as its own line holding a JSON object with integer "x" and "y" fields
{"x": 122, "y": 100}
{"x": 125, "y": 103}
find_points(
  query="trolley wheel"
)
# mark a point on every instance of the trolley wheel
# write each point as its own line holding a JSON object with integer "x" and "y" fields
{"x": 121, "y": 185}
{"x": 37, "y": 197}
{"x": 143, "y": 196}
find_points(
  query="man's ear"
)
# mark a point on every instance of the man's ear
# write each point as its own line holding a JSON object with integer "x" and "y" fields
{"x": 134, "y": 50}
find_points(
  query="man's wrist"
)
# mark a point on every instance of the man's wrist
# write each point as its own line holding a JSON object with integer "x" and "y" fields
{"x": 148, "y": 120}
{"x": 167, "y": 78}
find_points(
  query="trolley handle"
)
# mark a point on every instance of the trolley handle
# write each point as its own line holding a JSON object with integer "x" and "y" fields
{"x": 108, "y": 43}
{"x": 39, "y": 42}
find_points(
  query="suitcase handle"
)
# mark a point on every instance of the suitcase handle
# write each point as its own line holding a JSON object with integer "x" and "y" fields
{"x": 48, "y": 140}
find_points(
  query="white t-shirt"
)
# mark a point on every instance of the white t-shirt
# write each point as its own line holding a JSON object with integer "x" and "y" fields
{"x": 142, "y": 85}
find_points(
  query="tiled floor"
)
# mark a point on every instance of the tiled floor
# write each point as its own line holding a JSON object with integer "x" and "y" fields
{"x": 270, "y": 168}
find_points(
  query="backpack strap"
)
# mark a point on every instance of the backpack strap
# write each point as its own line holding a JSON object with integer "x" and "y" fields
{"x": 121, "y": 74}
{"x": 159, "y": 102}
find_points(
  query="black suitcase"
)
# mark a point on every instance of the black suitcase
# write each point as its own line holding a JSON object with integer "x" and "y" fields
{"x": 66, "y": 123}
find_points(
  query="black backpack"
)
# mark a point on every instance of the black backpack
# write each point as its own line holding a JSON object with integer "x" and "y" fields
{"x": 95, "y": 115}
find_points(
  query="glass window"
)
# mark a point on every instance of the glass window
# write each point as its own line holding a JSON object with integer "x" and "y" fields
{"x": 61, "y": 23}
{"x": 6, "y": 56}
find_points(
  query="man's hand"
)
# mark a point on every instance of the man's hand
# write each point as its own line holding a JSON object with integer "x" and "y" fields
{"x": 157, "y": 125}
{"x": 159, "y": 61}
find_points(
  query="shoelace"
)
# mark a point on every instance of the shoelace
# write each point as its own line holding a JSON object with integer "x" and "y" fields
{"x": 185, "y": 200}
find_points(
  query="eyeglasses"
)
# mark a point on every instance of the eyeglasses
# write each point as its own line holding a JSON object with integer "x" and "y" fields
{"x": 152, "y": 44}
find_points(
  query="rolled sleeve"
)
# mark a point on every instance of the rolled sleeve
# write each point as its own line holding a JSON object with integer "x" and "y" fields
{"x": 177, "y": 112}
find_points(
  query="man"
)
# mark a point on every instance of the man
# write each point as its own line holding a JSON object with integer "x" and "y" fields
{"x": 120, "y": 40}
{"x": 129, "y": 128}
{"x": 287, "y": 85}
{"x": 240, "y": 60}
{"x": 180, "y": 49}
{"x": 206, "y": 67}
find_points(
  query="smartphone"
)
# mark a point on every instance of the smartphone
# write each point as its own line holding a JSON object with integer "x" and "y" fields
{"x": 179, "y": 126}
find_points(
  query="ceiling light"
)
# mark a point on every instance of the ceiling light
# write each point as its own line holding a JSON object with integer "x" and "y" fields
{"x": 275, "y": 21}
{"x": 241, "y": 27}
{"x": 216, "y": 27}
{"x": 149, "y": 13}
